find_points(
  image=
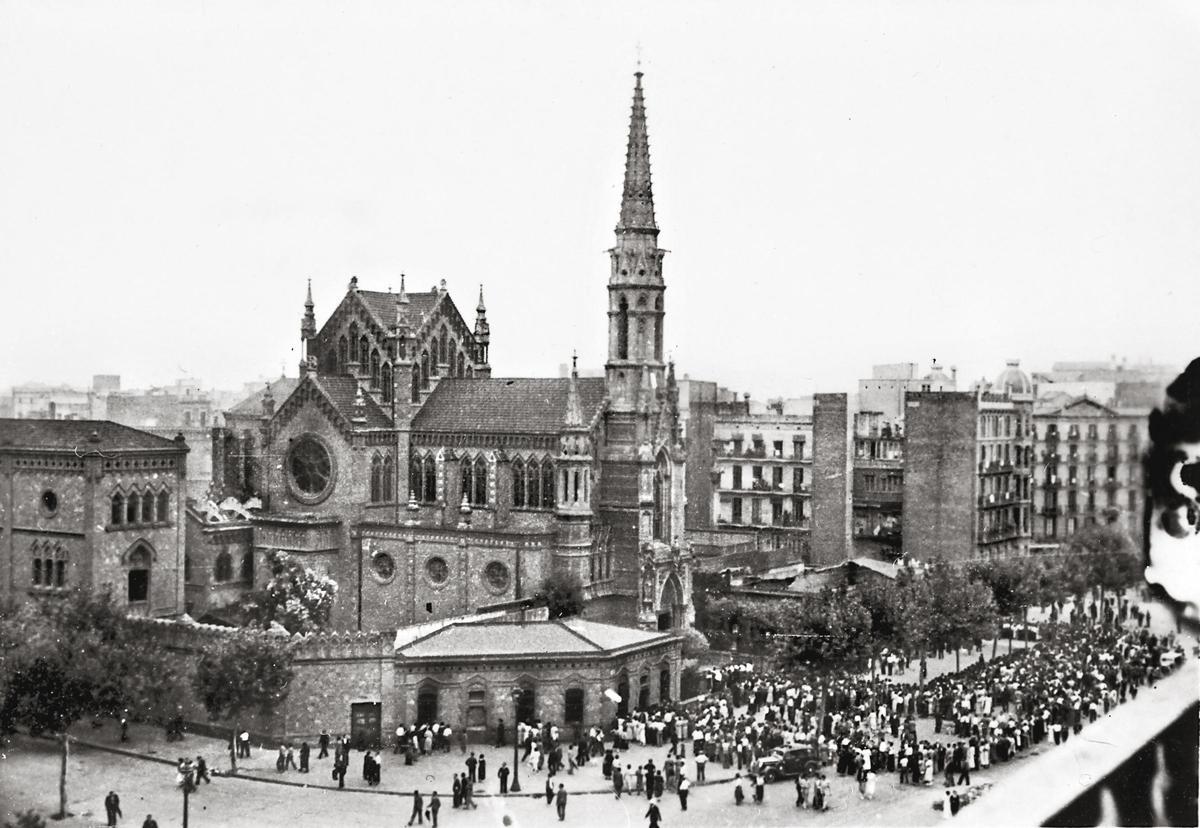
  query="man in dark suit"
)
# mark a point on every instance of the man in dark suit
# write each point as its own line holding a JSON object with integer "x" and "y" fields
{"x": 112, "y": 807}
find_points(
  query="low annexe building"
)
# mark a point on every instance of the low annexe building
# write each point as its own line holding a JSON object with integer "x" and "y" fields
{"x": 469, "y": 672}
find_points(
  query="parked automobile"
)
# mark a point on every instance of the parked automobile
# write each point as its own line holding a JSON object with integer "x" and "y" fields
{"x": 789, "y": 762}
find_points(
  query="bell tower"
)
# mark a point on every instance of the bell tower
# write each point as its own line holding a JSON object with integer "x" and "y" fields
{"x": 635, "y": 285}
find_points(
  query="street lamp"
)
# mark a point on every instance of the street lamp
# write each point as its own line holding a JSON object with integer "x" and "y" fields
{"x": 516, "y": 784}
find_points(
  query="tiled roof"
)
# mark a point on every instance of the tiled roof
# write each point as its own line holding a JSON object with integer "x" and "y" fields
{"x": 499, "y": 406}
{"x": 281, "y": 389}
{"x": 610, "y": 636}
{"x": 383, "y": 305}
{"x": 72, "y": 434}
{"x": 521, "y": 639}
{"x": 343, "y": 391}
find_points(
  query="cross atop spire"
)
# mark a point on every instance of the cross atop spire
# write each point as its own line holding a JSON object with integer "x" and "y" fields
{"x": 637, "y": 197}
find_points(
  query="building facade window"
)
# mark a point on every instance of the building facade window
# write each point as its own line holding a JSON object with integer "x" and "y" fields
{"x": 737, "y": 477}
{"x": 118, "y": 509}
{"x": 164, "y": 506}
{"x": 223, "y": 569}
{"x": 386, "y": 381}
{"x": 310, "y": 469}
{"x": 736, "y": 510}
{"x": 49, "y": 565}
{"x": 138, "y": 575}
{"x": 474, "y": 480}
{"x": 518, "y": 474}
{"x": 376, "y": 478}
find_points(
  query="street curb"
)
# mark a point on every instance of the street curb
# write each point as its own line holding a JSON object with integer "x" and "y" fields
{"x": 131, "y": 754}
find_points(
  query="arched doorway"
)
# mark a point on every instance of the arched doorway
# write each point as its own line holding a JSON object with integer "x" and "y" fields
{"x": 623, "y": 692}
{"x": 670, "y": 604}
{"x": 527, "y": 705}
{"x": 644, "y": 693}
{"x": 427, "y": 704}
{"x": 137, "y": 576}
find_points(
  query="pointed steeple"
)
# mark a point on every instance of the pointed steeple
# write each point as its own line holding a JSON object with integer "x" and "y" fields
{"x": 402, "y": 298}
{"x": 637, "y": 197}
{"x": 574, "y": 417}
{"x": 483, "y": 338}
{"x": 308, "y": 322}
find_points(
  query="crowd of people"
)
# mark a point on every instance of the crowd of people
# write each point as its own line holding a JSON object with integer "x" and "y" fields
{"x": 838, "y": 723}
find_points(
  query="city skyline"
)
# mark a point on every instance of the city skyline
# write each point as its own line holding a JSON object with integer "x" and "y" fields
{"x": 906, "y": 203}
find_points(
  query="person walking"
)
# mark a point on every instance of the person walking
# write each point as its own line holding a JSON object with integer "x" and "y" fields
{"x": 701, "y": 761}
{"x": 304, "y": 751}
{"x": 112, "y": 807}
{"x": 739, "y": 795}
{"x": 760, "y": 789}
{"x": 339, "y": 771}
{"x": 618, "y": 780}
{"x": 418, "y": 811}
{"x": 653, "y": 814}
{"x": 456, "y": 793}
{"x": 323, "y": 744}
{"x": 684, "y": 787}
{"x": 202, "y": 771}
{"x": 471, "y": 764}
{"x": 549, "y": 791}
{"x": 244, "y": 744}
{"x": 560, "y": 800}
{"x": 468, "y": 793}
{"x": 435, "y": 805}
{"x": 503, "y": 774}
{"x": 481, "y": 769}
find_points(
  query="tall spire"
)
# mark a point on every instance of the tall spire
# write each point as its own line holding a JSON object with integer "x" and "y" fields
{"x": 637, "y": 197}
{"x": 574, "y": 417}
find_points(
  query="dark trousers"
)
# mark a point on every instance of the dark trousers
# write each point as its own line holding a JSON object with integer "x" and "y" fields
{"x": 503, "y": 784}
{"x": 683, "y": 800}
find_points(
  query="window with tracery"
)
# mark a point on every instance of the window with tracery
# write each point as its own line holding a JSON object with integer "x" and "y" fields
{"x": 386, "y": 381}
{"x": 474, "y": 480}
{"x": 518, "y": 471}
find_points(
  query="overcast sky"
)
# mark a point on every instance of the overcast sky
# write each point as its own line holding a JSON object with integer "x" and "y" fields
{"x": 839, "y": 184}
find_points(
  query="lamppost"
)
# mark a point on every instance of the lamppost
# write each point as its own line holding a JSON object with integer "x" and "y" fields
{"x": 187, "y": 784}
{"x": 516, "y": 784}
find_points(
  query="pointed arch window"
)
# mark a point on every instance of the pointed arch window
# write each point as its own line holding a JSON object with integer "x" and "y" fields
{"x": 148, "y": 508}
{"x": 364, "y": 353}
{"x": 518, "y": 470}
{"x": 354, "y": 342}
{"x": 133, "y": 506}
{"x": 547, "y": 488}
{"x": 164, "y": 506}
{"x": 376, "y": 478}
{"x": 424, "y": 370}
{"x": 451, "y": 351}
{"x": 623, "y": 329}
{"x": 138, "y": 576}
{"x": 386, "y": 380}
{"x": 480, "y": 497}
{"x": 658, "y": 332}
{"x": 474, "y": 480}
{"x": 461, "y": 365}
{"x": 435, "y": 356}
{"x": 662, "y": 499}
{"x": 343, "y": 354}
{"x": 375, "y": 369}
{"x": 430, "y": 479}
{"x": 223, "y": 571}
{"x": 389, "y": 478}
{"x": 445, "y": 350}
{"x": 415, "y": 393}
{"x": 118, "y": 509}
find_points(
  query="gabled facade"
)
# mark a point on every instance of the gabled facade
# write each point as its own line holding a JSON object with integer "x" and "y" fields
{"x": 427, "y": 488}
{"x": 1089, "y": 458}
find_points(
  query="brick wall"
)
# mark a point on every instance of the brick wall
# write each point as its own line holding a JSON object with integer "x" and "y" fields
{"x": 940, "y": 476}
{"x": 832, "y": 508}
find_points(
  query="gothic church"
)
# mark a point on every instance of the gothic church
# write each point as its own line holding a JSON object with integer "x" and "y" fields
{"x": 397, "y": 464}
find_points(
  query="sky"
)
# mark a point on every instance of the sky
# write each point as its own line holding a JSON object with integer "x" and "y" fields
{"x": 838, "y": 183}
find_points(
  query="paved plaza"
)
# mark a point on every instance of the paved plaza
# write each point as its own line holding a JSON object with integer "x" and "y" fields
{"x": 141, "y": 771}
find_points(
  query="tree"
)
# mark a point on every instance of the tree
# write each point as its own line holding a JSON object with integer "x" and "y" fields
{"x": 562, "y": 595}
{"x": 74, "y": 658}
{"x": 241, "y": 673}
{"x": 1104, "y": 555}
{"x": 296, "y": 597}
{"x": 1013, "y": 583}
{"x": 962, "y": 611}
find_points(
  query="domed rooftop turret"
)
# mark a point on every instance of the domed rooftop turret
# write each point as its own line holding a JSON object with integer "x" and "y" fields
{"x": 1013, "y": 380}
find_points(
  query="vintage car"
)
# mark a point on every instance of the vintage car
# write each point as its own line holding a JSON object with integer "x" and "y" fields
{"x": 789, "y": 762}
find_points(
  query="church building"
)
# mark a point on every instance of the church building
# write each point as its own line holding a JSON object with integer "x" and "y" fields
{"x": 428, "y": 488}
